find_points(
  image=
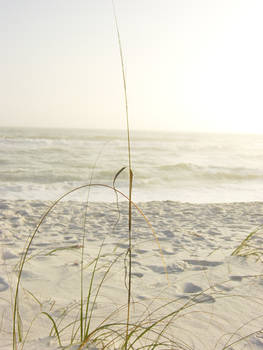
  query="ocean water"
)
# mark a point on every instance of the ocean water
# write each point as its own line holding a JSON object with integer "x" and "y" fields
{"x": 45, "y": 163}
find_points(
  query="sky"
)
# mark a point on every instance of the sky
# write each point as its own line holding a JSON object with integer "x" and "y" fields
{"x": 191, "y": 65}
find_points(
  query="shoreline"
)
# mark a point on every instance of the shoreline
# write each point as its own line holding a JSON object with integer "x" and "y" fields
{"x": 126, "y": 201}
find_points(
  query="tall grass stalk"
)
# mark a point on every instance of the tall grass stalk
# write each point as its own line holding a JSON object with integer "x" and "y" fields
{"x": 130, "y": 167}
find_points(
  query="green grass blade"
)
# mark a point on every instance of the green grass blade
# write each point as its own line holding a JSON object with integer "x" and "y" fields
{"x": 86, "y": 325}
{"x": 19, "y": 326}
{"x": 54, "y": 325}
{"x": 245, "y": 241}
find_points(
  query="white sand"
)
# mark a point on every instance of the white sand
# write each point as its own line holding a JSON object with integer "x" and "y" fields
{"x": 197, "y": 241}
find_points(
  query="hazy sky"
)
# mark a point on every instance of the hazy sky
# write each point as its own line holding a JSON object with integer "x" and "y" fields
{"x": 192, "y": 65}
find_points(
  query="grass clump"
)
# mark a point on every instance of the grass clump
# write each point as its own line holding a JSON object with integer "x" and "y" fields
{"x": 249, "y": 246}
{"x": 145, "y": 325}
{"x": 78, "y": 320}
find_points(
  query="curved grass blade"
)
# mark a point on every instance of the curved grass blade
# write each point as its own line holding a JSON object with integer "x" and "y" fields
{"x": 117, "y": 174}
{"x": 54, "y": 325}
{"x": 245, "y": 242}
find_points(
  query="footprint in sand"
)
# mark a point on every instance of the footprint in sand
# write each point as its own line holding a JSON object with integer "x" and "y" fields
{"x": 3, "y": 285}
{"x": 199, "y": 265}
{"x": 223, "y": 288}
{"x": 161, "y": 270}
{"x": 8, "y": 255}
{"x": 204, "y": 298}
{"x": 137, "y": 274}
{"x": 191, "y": 288}
{"x": 3, "y": 206}
{"x": 236, "y": 278}
{"x": 205, "y": 263}
{"x": 168, "y": 233}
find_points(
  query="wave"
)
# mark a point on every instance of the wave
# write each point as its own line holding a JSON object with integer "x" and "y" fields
{"x": 54, "y": 160}
{"x": 63, "y": 171}
{"x": 195, "y": 172}
{"x": 42, "y": 134}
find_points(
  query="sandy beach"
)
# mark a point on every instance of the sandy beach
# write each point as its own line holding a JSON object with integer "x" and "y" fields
{"x": 219, "y": 295}
{"x": 109, "y": 102}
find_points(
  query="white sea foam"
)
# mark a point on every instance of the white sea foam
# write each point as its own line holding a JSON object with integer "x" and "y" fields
{"x": 44, "y": 163}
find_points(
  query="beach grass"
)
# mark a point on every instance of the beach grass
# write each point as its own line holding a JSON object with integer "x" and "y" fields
{"x": 76, "y": 326}
{"x": 248, "y": 248}
{"x": 81, "y": 326}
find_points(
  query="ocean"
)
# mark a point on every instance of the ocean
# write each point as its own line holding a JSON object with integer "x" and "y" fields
{"x": 199, "y": 168}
